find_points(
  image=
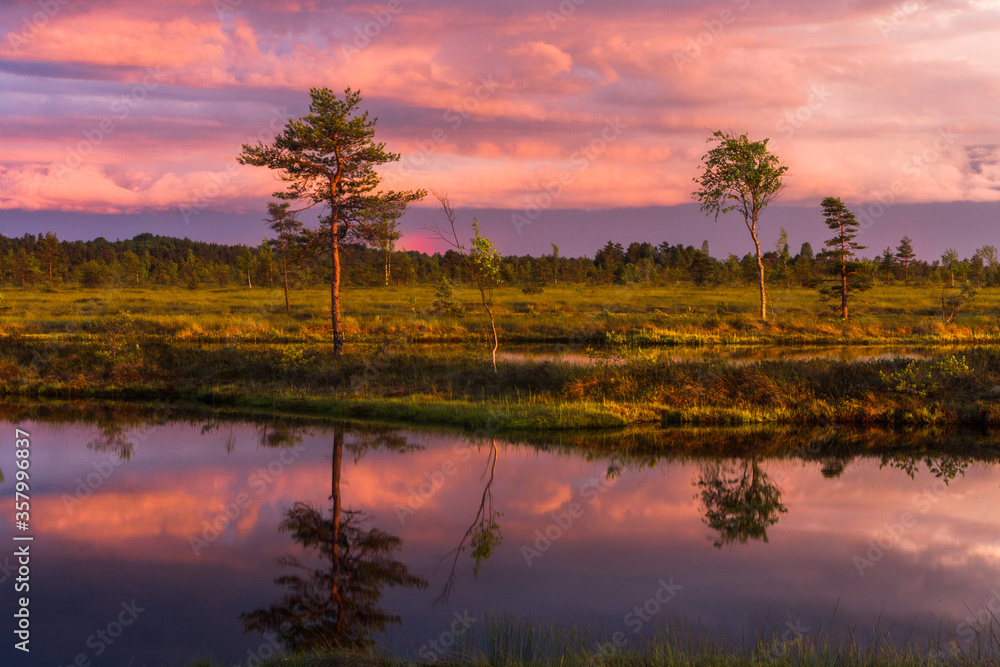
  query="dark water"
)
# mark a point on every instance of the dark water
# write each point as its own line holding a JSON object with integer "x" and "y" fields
{"x": 126, "y": 568}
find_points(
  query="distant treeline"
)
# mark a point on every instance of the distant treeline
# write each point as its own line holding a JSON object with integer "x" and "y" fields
{"x": 149, "y": 260}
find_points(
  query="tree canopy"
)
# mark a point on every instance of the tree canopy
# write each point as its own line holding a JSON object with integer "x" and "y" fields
{"x": 328, "y": 157}
{"x": 740, "y": 175}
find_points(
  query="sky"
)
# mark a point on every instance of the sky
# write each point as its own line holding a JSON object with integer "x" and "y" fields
{"x": 554, "y": 121}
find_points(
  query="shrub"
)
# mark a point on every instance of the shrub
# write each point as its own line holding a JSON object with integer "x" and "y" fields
{"x": 445, "y": 302}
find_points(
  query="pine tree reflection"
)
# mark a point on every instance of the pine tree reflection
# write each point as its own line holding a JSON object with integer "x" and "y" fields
{"x": 334, "y": 601}
{"x": 741, "y": 503}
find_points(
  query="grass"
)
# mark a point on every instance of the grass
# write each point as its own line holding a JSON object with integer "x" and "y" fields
{"x": 505, "y": 640}
{"x": 462, "y": 390}
{"x": 239, "y": 347}
{"x": 678, "y": 315}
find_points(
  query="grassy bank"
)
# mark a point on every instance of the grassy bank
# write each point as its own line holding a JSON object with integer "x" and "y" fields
{"x": 620, "y": 388}
{"x": 239, "y": 347}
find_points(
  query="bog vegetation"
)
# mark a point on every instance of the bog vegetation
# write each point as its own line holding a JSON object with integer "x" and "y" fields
{"x": 608, "y": 356}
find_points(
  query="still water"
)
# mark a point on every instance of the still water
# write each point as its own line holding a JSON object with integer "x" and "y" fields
{"x": 158, "y": 539}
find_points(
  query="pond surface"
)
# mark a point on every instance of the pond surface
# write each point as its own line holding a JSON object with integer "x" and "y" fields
{"x": 127, "y": 567}
{"x": 730, "y": 354}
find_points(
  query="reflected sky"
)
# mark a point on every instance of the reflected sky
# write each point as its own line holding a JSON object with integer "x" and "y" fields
{"x": 578, "y": 546}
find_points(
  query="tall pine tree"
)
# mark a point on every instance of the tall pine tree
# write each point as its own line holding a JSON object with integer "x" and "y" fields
{"x": 840, "y": 256}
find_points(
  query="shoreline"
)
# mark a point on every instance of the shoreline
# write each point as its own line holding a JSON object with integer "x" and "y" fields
{"x": 456, "y": 389}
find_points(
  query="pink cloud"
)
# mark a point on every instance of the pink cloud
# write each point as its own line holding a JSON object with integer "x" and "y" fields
{"x": 846, "y": 102}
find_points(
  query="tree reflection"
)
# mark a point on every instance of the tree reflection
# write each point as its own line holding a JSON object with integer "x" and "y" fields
{"x": 113, "y": 437}
{"x": 945, "y": 468}
{"x": 280, "y": 434}
{"x": 483, "y": 535}
{"x": 277, "y": 433}
{"x": 334, "y": 600}
{"x": 833, "y": 467}
{"x": 740, "y": 501}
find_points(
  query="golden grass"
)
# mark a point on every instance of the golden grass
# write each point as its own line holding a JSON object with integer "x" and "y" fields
{"x": 681, "y": 315}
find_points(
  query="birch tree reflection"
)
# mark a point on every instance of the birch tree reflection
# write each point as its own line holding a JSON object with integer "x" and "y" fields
{"x": 483, "y": 535}
{"x": 741, "y": 503}
{"x": 331, "y": 598}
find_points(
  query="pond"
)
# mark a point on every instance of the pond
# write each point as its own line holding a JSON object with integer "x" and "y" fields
{"x": 158, "y": 535}
{"x": 729, "y": 354}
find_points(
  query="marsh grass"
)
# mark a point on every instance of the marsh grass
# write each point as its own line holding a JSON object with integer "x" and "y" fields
{"x": 506, "y": 640}
{"x": 580, "y": 314}
{"x": 460, "y": 388}
{"x": 231, "y": 346}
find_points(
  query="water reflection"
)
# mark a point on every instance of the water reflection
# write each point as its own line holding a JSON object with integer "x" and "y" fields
{"x": 875, "y": 524}
{"x": 728, "y": 354}
{"x": 741, "y": 502}
{"x": 114, "y": 437}
{"x": 333, "y": 597}
{"x": 483, "y": 535}
{"x": 945, "y": 468}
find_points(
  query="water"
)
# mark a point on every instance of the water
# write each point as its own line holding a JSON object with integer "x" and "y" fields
{"x": 597, "y": 530}
{"x": 729, "y": 354}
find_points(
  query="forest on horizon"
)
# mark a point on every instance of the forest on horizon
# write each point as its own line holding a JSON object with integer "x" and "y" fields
{"x": 149, "y": 260}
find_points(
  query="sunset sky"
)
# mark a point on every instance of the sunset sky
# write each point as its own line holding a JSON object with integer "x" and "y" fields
{"x": 118, "y": 117}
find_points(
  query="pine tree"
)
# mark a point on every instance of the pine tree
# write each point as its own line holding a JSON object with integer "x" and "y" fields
{"x": 329, "y": 157}
{"x": 841, "y": 254}
{"x": 904, "y": 253}
{"x": 288, "y": 228}
{"x": 888, "y": 260}
{"x": 48, "y": 251}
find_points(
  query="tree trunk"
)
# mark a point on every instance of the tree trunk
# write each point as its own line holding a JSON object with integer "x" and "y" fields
{"x": 338, "y": 453}
{"x": 338, "y": 327}
{"x": 843, "y": 272}
{"x": 843, "y": 294}
{"x": 284, "y": 274}
{"x": 496, "y": 340}
{"x": 760, "y": 268}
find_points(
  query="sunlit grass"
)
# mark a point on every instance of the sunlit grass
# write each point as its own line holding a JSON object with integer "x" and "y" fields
{"x": 239, "y": 345}
{"x": 681, "y": 315}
